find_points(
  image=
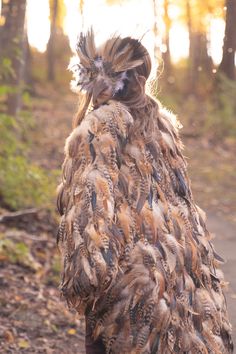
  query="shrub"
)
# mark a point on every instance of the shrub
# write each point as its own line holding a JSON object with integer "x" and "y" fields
{"x": 22, "y": 184}
{"x": 221, "y": 109}
{"x": 209, "y": 112}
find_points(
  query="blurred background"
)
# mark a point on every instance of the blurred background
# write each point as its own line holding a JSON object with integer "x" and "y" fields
{"x": 192, "y": 44}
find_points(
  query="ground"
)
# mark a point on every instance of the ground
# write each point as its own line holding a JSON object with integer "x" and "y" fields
{"x": 33, "y": 317}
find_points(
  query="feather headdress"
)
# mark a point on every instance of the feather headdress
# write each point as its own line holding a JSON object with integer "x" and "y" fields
{"x": 109, "y": 64}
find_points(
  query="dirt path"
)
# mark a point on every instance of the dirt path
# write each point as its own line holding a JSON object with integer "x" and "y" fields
{"x": 224, "y": 242}
{"x": 33, "y": 319}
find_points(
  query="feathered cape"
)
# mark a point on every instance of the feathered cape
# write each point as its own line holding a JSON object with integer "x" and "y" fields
{"x": 137, "y": 255}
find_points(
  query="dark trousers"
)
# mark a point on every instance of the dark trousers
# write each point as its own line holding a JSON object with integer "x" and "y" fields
{"x": 93, "y": 346}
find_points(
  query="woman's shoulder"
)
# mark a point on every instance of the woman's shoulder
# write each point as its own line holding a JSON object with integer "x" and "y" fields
{"x": 112, "y": 111}
{"x": 168, "y": 126}
{"x": 169, "y": 119}
{"x": 112, "y": 119}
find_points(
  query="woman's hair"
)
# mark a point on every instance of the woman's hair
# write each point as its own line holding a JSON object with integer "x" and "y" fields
{"x": 133, "y": 93}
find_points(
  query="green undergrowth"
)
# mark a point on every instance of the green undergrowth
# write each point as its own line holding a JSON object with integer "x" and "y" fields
{"x": 221, "y": 109}
{"x": 209, "y": 113}
{"x": 22, "y": 183}
{"x": 17, "y": 253}
{"x": 55, "y": 271}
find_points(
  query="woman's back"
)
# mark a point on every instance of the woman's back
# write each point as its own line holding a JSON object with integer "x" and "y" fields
{"x": 138, "y": 261}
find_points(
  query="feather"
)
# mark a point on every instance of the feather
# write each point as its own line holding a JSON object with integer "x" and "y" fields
{"x": 92, "y": 151}
{"x": 86, "y": 48}
{"x": 182, "y": 188}
{"x": 94, "y": 200}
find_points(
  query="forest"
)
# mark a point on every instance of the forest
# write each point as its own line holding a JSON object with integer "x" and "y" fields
{"x": 193, "y": 47}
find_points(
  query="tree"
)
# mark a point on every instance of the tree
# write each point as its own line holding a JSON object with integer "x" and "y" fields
{"x": 28, "y": 79}
{"x": 199, "y": 59}
{"x": 156, "y": 32}
{"x": 51, "y": 41}
{"x": 227, "y": 65}
{"x": 81, "y": 10}
{"x": 12, "y": 51}
{"x": 166, "y": 54}
{"x": 57, "y": 13}
{"x": 197, "y": 16}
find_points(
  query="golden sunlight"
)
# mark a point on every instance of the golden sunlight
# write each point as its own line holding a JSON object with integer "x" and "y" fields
{"x": 216, "y": 39}
{"x": 179, "y": 42}
{"x": 38, "y": 24}
{"x": 134, "y": 17}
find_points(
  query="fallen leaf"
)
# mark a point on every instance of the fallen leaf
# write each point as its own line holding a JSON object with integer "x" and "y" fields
{"x": 23, "y": 343}
{"x": 18, "y": 297}
{"x": 71, "y": 331}
{"x": 9, "y": 336}
{"x": 3, "y": 257}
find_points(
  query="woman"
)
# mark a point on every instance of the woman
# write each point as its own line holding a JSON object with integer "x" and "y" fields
{"x": 138, "y": 262}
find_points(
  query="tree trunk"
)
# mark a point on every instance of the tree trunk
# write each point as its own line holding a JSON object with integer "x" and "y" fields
{"x": 227, "y": 65}
{"x": 28, "y": 65}
{"x": 166, "y": 54}
{"x": 51, "y": 42}
{"x": 81, "y": 10}
{"x": 12, "y": 48}
{"x": 155, "y": 32}
{"x": 27, "y": 72}
{"x": 191, "y": 47}
{"x": 4, "y": 13}
{"x": 199, "y": 60}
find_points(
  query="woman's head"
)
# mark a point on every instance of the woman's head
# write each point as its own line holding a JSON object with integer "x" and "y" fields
{"x": 116, "y": 70}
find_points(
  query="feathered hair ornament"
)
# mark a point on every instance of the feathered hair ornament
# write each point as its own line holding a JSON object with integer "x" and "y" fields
{"x": 104, "y": 71}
